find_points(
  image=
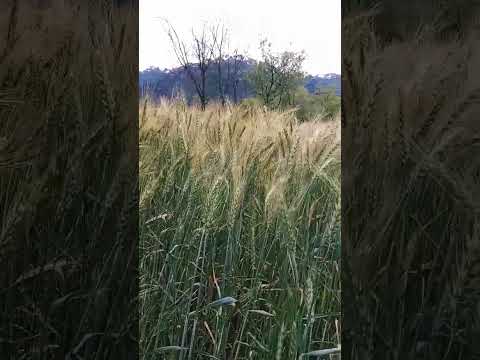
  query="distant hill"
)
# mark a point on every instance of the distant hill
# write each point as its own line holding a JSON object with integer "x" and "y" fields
{"x": 168, "y": 82}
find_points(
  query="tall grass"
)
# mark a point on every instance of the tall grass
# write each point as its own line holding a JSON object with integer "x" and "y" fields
{"x": 239, "y": 233}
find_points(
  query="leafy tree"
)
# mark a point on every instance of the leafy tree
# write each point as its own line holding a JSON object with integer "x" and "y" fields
{"x": 276, "y": 77}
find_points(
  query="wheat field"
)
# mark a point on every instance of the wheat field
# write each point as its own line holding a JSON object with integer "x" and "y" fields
{"x": 239, "y": 233}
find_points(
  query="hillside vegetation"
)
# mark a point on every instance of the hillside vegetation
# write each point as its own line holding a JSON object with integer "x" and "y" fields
{"x": 158, "y": 82}
{"x": 239, "y": 233}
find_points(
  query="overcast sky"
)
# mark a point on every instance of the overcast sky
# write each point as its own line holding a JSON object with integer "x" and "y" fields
{"x": 310, "y": 25}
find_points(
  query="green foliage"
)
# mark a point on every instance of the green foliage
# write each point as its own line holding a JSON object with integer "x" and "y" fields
{"x": 324, "y": 105}
{"x": 330, "y": 102}
{"x": 277, "y": 81}
{"x": 276, "y": 77}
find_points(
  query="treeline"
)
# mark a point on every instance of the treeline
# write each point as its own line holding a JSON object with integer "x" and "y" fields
{"x": 209, "y": 70}
{"x": 176, "y": 82}
{"x": 173, "y": 82}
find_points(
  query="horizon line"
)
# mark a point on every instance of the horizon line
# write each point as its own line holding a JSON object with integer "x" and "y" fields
{"x": 177, "y": 67}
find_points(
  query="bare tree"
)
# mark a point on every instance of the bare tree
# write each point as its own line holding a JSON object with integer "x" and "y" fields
{"x": 203, "y": 46}
{"x": 220, "y": 42}
{"x": 233, "y": 72}
{"x": 224, "y": 59}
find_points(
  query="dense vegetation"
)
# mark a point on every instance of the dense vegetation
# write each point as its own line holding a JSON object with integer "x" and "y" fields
{"x": 239, "y": 233}
{"x": 315, "y": 96}
{"x": 157, "y": 82}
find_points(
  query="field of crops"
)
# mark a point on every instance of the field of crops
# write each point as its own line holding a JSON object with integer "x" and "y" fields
{"x": 239, "y": 233}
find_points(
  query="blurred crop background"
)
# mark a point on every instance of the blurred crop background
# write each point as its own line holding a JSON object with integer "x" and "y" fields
{"x": 68, "y": 180}
{"x": 410, "y": 181}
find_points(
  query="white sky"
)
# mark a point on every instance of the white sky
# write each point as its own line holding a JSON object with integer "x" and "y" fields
{"x": 310, "y": 25}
